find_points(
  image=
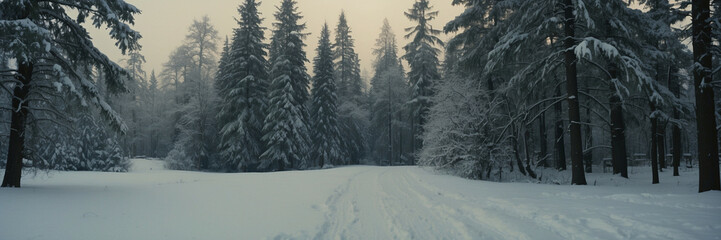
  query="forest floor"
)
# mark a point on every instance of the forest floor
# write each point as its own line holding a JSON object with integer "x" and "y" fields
{"x": 358, "y": 202}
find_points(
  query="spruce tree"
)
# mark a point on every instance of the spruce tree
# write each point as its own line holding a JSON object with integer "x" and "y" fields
{"x": 50, "y": 48}
{"x": 388, "y": 94}
{"x": 422, "y": 57}
{"x": 326, "y": 137}
{"x": 243, "y": 92}
{"x": 286, "y": 130}
{"x": 351, "y": 107}
{"x": 347, "y": 64}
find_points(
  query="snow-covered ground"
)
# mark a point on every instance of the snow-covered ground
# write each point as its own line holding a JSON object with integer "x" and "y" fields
{"x": 351, "y": 203}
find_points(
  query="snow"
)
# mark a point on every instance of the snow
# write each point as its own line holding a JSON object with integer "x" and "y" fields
{"x": 360, "y": 202}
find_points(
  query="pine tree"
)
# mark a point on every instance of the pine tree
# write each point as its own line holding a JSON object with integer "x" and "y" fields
{"x": 286, "y": 130}
{"x": 242, "y": 86}
{"x": 388, "y": 94}
{"x": 705, "y": 108}
{"x": 326, "y": 137}
{"x": 352, "y": 113}
{"x": 347, "y": 63}
{"x": 152, "y": 116}
{"x": 129, "y": 104}
{"x": 422, "y": 57}
{"x": 45, "y": 40}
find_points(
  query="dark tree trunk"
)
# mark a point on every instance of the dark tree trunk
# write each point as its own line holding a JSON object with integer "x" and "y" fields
{"x": 618, "y": 129}
{"x": 661, "y": 143}
{"x": 588, "y": 153}
{"x": 529, "y": 170}
{"x": 400, "y": 142}
{"x": 578, "y": 177}
{"x": 705, "y": 108}
{"x": 14, "y": 167}
{"x": 588, "y": 135}
{"x": 543, "y": 138}
{"x": 659, "y": 132}
{"x": 559, "y": 145}
{"x": 514, "y": 141}
{"x": 654, "y": 146}
{"x": 414, "y": 137}
{"x": 676, "y": 139}
{"x": 675, "y": 88}
{"x": 390, "y": 125}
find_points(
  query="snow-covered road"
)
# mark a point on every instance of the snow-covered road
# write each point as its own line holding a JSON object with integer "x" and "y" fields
{"x": 350, "y": 203}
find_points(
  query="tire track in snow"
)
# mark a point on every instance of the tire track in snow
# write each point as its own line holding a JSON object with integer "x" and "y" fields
{"x": 337, "y": 214}
{"x": 356, "y": 210}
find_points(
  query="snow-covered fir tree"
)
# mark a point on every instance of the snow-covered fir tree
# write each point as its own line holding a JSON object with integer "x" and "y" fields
{"x": 152, "y": 117}
{"x": 422, "y": 57}
{"x": 242, "y": 84}
{"x": 49, "y": 48}
{"x": 324, "y": 110}
{"x": 353, "y": 112}
{"x": 130, "y": 104}
{"x": 347, "y": 63}
{"x": 388, "y": 94}
{"x": 287, "y": 129}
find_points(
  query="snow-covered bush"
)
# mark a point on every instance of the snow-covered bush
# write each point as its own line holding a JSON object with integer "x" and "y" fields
{"x": 88, "y": 147}
{"x": 457, "y": 137}
{"x": 178, "y": 160}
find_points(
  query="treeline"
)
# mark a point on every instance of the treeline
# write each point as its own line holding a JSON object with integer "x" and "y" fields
{"x": 258, "y": 111}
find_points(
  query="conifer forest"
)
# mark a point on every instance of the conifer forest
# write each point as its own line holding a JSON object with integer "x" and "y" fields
{"x": 395, "y": 119}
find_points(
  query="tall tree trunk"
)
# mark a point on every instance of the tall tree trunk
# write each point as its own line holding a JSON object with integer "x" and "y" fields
{"x": 559, "y": 145}
{"x": 543, "y": 139}
{"x": 578, "y": 177}
{"x": 14, "y": 167}
{"x": 390, "y": 125}
{"x": 588, "y": 153}
{"x": 400, "y": 141}
{"x": 675, "y": 88}
{"x": 654, "y": 146}
{"x": 529, "y": 170}
{"x": 705, "y": 108}
{"x": 588, "y": 135}
{"x": 414, "y": 138}
{"x": 658, "y": 131}
{"x": 661, "y": 143}
{"x": 618, "y": 128}
{"x": 514, "y": 141}
{"x": 676, "y": 139}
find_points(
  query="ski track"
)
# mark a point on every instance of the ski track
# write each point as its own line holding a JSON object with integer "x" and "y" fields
{"x": 395, "y": 203}
{"x": 410, "y": 209}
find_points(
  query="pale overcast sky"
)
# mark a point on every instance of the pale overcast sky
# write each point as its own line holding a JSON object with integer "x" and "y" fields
{"x": 164, "y": 23}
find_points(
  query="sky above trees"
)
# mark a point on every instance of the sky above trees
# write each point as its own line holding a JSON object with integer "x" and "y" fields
{"x": 164, "y": 23}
